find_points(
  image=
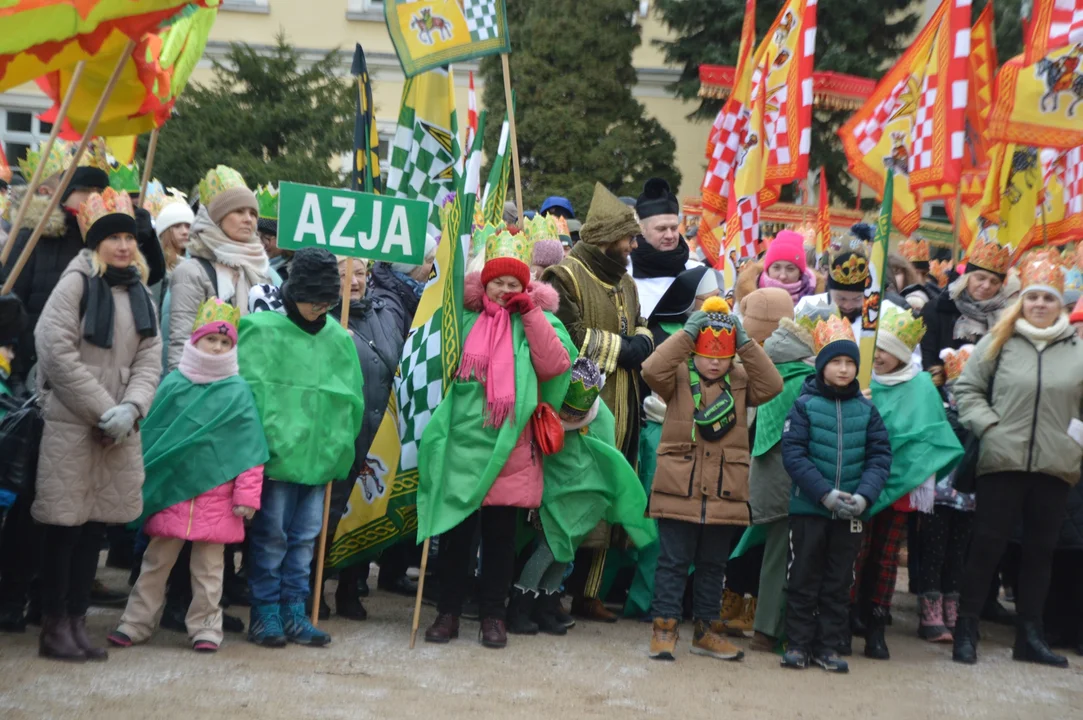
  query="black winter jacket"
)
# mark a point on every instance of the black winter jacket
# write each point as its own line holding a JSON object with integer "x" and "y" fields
{"x": 939, "y": 315}
{"x": 399, "y": 297}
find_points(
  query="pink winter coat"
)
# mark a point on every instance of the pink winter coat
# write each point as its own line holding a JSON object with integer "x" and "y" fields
{"x": 520, "y": 482}
{"x": 209, "y": 517}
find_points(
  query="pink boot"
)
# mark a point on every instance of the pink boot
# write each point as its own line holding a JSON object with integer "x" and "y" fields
{"x": 932, "y": 626}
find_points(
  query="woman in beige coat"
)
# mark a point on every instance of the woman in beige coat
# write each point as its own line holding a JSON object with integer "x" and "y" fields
{"x": 1021, "y": 393}
{"x": 99, "y": 360}
{"x": 224, "y": 242}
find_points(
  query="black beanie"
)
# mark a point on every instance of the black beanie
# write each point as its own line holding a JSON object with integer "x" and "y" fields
{"x": 314, "y": 277}
{"x": 657, "y": 199}
{"x": 267, "y": 227}
{"x": 849, "y": 271}
{"x": 86, "y": 178}
{"x": 111, "y": 224}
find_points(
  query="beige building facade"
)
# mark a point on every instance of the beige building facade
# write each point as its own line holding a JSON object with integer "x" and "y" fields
{"x": 316, "y": 27}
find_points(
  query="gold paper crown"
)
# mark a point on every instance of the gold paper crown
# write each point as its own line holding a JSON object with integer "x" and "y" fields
{"x": 854, "y": 271}
{"x": 955, "y": 360}
{"x": 96, "y": 155}
{"x": 217, "y": 181}
{"x": 540, "y": 228}
{"x": 939, "y": 269}
{"x": 1043, "y": 273}
{"x": 562, "y": 226}
{"x": 97, "y": 206}
{"x": 831, "y": 330}
{"x": 915, "y": 250}
{"x": 811, "y": 315}
{"x": 503, "y": 244}
{"x": 267, "y": 199}
{"x": 214, "y": 310}
{"x": 55, "y": 161}
{"x": 987, "y": 255}
{"x": 903, "y": 325}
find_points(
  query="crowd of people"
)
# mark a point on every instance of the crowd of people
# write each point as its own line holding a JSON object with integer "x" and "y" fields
{"x": 622, "y": 430}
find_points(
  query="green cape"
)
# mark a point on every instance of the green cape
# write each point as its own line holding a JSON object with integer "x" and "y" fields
{"x": 588, "y": 481}
{"x": 922, "y": 441}
{"x": 308, "y": 391}
{"x": 456, "y": 469}
{"x": 771, "y": 416}
{"x": 197, "y": 437}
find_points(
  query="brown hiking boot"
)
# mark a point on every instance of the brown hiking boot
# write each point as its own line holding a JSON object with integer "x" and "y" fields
{"x": 444, "y": 629}
{"x": 762, "y": 642}
{"x": 663, "y": 639}
{"x": 592, "y": 609}
{"x": 709, "y": 640}
{"x": 78, "y": 633}
{"x": 732, "y": 605}
{"x": 56, "y": 641}
{"x": 493, "y": 633}
{"x": 742, "y": 625}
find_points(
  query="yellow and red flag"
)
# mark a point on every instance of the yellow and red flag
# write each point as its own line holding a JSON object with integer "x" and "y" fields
{"x": 823, "y": 218}
{"x": 914, "y": 122}
{"x": 1040, "y": 93}
{"x": 42, "y": 36}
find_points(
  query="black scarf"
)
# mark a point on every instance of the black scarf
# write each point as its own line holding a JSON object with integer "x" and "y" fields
{"x": 833, "y": 393}
{"x": 606, "y": 268}
{"x": 650, "y": 263}
{"x": 309, "y": 326}
{"x": 98, "y": 321}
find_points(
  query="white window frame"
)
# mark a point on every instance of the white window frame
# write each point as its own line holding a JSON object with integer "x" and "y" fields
{"x": 365, "y": 10}
{"x": 32, "y": 138}
{"x": 259, "y": 7}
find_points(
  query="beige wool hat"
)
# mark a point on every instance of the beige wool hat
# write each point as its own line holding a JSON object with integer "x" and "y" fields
{"x": 762, "y": 310}
{"x": 608, "y": 219}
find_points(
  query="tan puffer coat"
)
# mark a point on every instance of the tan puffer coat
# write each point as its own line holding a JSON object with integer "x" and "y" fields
{"x": 79, "y": 480}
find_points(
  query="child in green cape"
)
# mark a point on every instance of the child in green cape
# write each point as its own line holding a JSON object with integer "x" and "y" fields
{"x": 586, "y": 482}
{"x": 203, "y": 450}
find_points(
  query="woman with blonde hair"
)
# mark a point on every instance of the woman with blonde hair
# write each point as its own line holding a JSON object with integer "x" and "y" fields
{"x": 99, "y": 354}
{"x": 1020, "y": 393}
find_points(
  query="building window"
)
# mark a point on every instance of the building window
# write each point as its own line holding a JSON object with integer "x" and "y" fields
{"x": 20, "y": 131}
{"x": 261, "y": 7}
{"x": 370, "y": 10}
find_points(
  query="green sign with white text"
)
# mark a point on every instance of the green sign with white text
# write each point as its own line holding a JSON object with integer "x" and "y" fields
{"x": 350, "y": 223}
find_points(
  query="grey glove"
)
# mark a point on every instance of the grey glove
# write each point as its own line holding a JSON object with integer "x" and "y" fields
{"x": 739, "y": 331}
{"x": 853, "y": 508}
{"x": 118, "y": 421}
{"x": 835, "y": 501}
{"x": 696, "y": 322}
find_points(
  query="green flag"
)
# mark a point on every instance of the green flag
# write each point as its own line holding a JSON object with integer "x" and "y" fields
{"x": 496, "y": 187}
{"x": 874, "y": 292}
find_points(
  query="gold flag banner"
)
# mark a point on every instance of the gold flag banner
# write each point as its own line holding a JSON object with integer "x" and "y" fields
{"x": 1041, "y": 104}
{"x": 429, "y": 34}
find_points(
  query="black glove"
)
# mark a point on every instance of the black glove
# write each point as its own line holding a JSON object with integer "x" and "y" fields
{"x": 634, "y": 350}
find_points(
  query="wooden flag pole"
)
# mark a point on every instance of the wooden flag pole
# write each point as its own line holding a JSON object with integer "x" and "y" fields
{"x": 148, "y": 163}
{"x": 420, "y": 589}
{"x": 514, "y": 141}
{"x": 66, "y": 179}
{"x": 46, "y": 149}
{"x": 955, "y": 230}
{"x": 321, "y": 550}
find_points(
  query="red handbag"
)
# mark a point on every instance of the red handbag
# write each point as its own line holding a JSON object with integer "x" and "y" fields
{"x": 548, "y": 431}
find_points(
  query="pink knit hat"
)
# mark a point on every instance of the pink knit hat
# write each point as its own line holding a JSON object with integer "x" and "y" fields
{"x": 787, "y": 246}
{"x": 214, "y": 328}
{"x": 215, "y": 317}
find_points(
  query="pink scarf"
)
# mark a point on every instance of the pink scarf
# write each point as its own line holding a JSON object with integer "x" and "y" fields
{"x": 488, "y": 355}
{"x": 202, "y": 368}
{"x": 802, "y": 288}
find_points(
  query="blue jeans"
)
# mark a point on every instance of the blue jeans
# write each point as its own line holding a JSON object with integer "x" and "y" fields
{"x": 282, "y": 537}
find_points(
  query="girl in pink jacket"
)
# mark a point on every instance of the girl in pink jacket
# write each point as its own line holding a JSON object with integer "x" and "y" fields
{"x": 203, "y": 450}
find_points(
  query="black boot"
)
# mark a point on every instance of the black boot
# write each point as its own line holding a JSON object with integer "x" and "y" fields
{"x": 857, "y": 624}
{"x": 875, "y": 645}
{"x": 12, "y": 618}
{"x": 520, "y": 608}
{"x": 545, "y": 614}
{"x": 965, "y": 640}
{"x": 1030, "y": 646}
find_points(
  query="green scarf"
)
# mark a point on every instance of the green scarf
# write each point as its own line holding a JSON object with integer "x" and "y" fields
{"x": 459, "y": 458}
{"x": 589, "y": 481}
{"x": 197, "y": 437}
{"x": 922, "y": 441}
{"x": 308, "y": 389}
{"x": 771, "y": 416}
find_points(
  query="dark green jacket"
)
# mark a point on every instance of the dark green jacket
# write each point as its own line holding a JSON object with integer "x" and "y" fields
{"x": 834, "y": 440}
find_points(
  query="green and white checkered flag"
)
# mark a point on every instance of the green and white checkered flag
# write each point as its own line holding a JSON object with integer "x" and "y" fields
{"x": 426, "y": 154}
{"x": 496, "y": 187}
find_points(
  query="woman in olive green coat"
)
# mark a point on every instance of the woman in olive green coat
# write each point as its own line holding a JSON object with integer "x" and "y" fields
{"x": 1020, "y": 393}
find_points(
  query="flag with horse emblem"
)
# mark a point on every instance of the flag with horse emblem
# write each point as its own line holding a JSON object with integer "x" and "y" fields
{"x": 432, "y": 33}
{"x": 1039, "y": 98}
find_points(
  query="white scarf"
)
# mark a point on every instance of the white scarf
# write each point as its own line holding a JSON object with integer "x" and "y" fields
{"x": 208, "y": 241}
{"x": 904, "y": 374}
{"x": 1042, "y": 337}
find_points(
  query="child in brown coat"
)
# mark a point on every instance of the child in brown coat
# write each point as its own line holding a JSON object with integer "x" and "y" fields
{"x": 700, "y": 490}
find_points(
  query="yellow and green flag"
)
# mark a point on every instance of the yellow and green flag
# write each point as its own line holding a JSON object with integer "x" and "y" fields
{"x": 429, "y": 34}
{"x": 874, "y": 292}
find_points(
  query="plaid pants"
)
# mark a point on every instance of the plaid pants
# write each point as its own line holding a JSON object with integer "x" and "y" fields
{"x": 877, "y": 564}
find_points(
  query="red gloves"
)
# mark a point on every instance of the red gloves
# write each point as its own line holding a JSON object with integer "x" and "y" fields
{"x": 519, "y": 303}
